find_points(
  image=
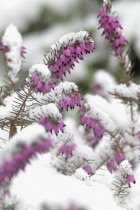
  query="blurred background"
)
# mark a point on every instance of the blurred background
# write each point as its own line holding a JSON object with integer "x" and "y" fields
{"x": 43, "y": 22}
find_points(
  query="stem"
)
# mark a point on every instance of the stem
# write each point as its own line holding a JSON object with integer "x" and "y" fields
{"x": 13, "y": 129}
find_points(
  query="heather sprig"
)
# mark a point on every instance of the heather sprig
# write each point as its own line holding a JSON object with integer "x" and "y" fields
{"x": 69, "y": 49}
{"x": 20, "y": 151}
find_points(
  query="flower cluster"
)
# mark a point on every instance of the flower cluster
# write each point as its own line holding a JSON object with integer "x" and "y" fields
{"x": 111, "y": 29}
{"x": 41, "y": 86}
{"x": 96, "y": 126}
{"x": 66, "y": 149}
{"x": 51, "y": 125}
{"x": 68, "y": 50}
{"x": 19, "y": 160}
{"x": 71, "y": 102}
{"x": 41, "y": 77}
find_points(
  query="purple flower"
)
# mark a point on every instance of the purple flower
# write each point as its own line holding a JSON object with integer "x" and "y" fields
{"x": 111, "y": 29}
{"x": 52, "y": 126}
{"x": 18, "y": 161}
{"x": 111, "y": 165}
{"x": 71, "y": 102}
{"x": 40, "y": 85}
{"x": 96, "y": 125}
{"x": 88, "y": 169}
{"x": 129, "y": 179}
{"x": 67, "y": 150}
{"x": 137, "y": 136}
{"x": 22, "y": 51}
{"x": 3, "y": 47}
{"x": 119, "y": 157}
{"x": 64, "y": 54}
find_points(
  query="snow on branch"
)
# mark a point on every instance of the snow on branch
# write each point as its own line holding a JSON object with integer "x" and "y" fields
{"x": 122, "y": 181}
{"x": 69, "y": 49}
{"x": 14, "y": 51}
{"x": 21, "y": 149}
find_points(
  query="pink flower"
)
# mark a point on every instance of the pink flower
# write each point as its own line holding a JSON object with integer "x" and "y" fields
{"x": 137, "y": 136}
{"x": 71, "y": 102}
{"x": 62, "y": 59}
{"x": 18, "y": 161}
{"x": 40, "y": 86}
{"x": 129, "y": 179}
{"x": 22, "y": 51}
{"x": 111, "y": 29}
{"x": 52, "y": 126}
{"x": 67, "y": 150}
{"x": 88, "y": 169}
{"x": 119, "y": 157}
{"x": 111, "y": 165}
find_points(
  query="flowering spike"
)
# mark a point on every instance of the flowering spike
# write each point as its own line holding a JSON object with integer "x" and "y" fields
{"x": 19, "y": 151}
{"x": 68, "y": 50}
{"x": 41, "y": 78}
{"x": 111, "y": 28}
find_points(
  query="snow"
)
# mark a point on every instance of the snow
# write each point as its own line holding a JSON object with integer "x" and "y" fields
{"x": 13, "y": 40}
{"x": 66, "y": 41}
{"x": 125, "y": 167}
{"x": 122, "y": 91}
{"x": 41, "y": 70}
{"x": 28, "y": 135}
{"x": 33, "y": 188}
{"x": 60, "y": 92}
{"x": 48, "y": 111}
{"x": 70, "y": 39}
{"x": 105, "y": 79}
{"x": 113, "y": 115}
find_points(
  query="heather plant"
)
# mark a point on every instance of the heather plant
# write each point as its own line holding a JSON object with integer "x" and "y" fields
{"x": 50, "y": 162}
